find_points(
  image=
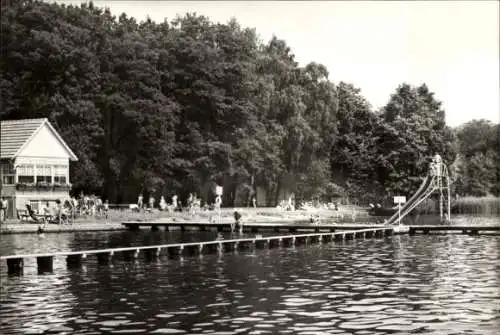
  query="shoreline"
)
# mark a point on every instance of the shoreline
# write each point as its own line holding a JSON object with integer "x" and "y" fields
{"x": 89, "y": 224}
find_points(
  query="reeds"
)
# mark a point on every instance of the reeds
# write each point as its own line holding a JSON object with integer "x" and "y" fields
{"x": 487, "y": 206}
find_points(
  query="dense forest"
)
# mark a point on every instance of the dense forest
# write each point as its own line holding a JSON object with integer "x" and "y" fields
{"x": 179, "y": 106}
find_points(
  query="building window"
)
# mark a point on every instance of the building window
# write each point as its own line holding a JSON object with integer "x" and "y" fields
{"x": 25, "y": 174}
{"x": 44, "y": 174}
{"x": 60, "y": 173}
{"x": 8, "y": 174}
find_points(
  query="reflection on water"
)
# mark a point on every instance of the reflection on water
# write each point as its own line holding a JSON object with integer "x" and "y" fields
{"x": 435, "y": 284}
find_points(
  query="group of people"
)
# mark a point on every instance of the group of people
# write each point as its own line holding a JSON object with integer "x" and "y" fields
{"x": 91, "y": 205}
{"x": 192, "y": 202}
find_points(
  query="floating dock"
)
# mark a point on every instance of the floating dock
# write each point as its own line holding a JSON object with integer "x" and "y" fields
{"x": 253, "y": 227}
{"x": 256, "y": 227}
{"x": 74, "y": 259}
{"x": 470, "y": 230}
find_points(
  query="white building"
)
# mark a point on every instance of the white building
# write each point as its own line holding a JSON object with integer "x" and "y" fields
{"x": 34, "y": 164}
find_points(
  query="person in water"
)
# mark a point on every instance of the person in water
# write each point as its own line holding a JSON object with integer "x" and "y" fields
{"x": 41, "y": 228}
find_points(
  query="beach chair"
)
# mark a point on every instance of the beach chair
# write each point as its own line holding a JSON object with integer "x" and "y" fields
{"x": 32, "y": 214}
{"x": 22, "y": 215}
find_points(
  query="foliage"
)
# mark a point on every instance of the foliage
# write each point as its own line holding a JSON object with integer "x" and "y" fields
{"x": 478, "y": 165}
{"x": 179, "y": 106}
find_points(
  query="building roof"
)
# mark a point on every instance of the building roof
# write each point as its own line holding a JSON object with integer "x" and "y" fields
{"x": 16, "y": 134}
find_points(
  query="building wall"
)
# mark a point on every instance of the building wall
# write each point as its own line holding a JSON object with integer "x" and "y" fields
{"x": 44, "y": 144}
{"x": 36, "y": 198}
{"x": 43, "y": 156}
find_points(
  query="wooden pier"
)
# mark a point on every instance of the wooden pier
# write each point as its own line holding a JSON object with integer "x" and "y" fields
{"x": 253, "y": 227}
{"x": 256, "y": 227}
{"x": 470, "y": 230}
{"x": 74, "y": 259}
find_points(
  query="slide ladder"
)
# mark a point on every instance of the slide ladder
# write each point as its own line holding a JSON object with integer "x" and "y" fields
{"x": 436, "y": 181}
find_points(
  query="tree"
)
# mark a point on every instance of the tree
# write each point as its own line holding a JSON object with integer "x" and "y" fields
{"x": 411, "y": 131}
{"x": 478, "y": 168}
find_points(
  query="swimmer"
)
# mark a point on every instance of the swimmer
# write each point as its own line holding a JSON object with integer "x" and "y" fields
{"x": 41, "y": 229}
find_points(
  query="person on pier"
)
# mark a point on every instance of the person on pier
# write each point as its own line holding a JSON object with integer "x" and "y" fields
{"x": 4, "y": 205}
{"x": 106, "y": 210}
{"x": 237, "y": 223}
{"x": 151, "y": 202}
{"x": 163, "y": 203}
{"x": 174, "y": 203}
{"x": 218, "y": 203}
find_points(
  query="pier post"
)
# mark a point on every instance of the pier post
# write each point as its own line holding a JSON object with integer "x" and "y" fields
{"x": 45, "y": 264}
{"x": 246, "y": 245}
{"x": 261, "y": 243}
{"x": 273, "y": 243}
{"x": 212, "y": 247}
{"x": 300, "y": 240}
{"x": 130, "y": 255}
{"x": 15, "y": 266}
{"x": 193, "y": 249}
{"x": 229, "y": 246}
{"x": 104, "y": 258}
{"x": 74, "y": 261}
{"x": 133, "y": 226}
{"x": 151, "y": 254}
{"x": 175, "y": 251}
{"x": 288, "y": 242}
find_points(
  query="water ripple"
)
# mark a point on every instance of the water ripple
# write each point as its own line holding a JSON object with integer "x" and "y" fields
{"x": 401, "y": 285}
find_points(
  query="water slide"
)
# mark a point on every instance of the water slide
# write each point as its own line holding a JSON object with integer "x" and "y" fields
{"x": 414, "y": 200}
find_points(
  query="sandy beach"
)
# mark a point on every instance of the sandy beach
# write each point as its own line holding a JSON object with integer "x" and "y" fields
{"x": 116, "y": 217}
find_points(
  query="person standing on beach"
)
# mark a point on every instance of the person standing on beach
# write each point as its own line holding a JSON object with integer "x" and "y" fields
{"x": 174, "y": 203}
{"x": 218, "y": 203}
{"x": 163, "y": 203}
{"x": 3, "y": 209}
{"x": 151, "y": 202}
{"x": 106, "y": 210}
{"x": 140, "y": 201}
{"x": 254, "y": 202}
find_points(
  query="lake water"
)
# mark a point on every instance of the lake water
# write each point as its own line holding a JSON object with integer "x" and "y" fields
{"x": 423, "y": 284}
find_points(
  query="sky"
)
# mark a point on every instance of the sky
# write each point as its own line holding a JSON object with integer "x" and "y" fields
{"x": 452, "y": 46}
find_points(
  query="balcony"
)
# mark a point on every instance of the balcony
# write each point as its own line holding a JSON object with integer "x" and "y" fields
{"x": 42, "y": 187}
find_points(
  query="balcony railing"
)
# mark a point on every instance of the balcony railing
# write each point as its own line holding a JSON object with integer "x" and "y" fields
{"x": 42, "y": 187}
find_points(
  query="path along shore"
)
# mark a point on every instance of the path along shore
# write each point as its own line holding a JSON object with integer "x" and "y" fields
{"x": 116, "y": 217}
